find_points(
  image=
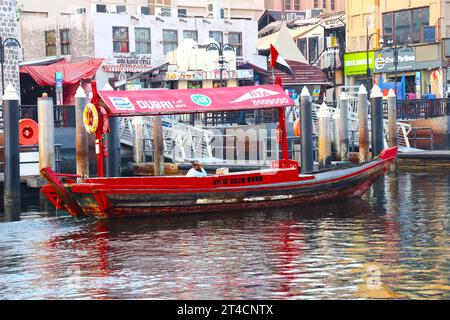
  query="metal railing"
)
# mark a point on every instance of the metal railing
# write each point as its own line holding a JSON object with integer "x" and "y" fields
{"x": 35, "y": 148}
{"x": 421, "y": 108}
{"x": 64, "y": 115}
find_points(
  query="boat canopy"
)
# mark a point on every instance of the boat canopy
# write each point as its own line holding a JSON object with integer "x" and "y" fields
{"x": 169, "y": 102}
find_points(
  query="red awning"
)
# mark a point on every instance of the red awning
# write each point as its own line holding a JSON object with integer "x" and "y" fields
{"x": 73, "y": 73}
{"x": 164, "y": 102}
{"x": 304, "y": 74}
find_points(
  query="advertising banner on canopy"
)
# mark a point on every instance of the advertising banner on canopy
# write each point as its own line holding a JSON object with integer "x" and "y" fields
{"x": 165, "y": 102}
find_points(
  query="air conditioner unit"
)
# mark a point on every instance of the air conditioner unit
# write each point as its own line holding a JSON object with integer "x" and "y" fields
{"x": 112, "y": 8}
{"x": 291, "y": 16}
{"x": 163, "y": 12}
{"x": 313, "y": 13}
{"x": 80, "y": 10}
{"x": 213, "y": 10}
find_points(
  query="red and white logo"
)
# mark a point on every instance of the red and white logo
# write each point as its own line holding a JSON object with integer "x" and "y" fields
{"x": 256, "y": 94}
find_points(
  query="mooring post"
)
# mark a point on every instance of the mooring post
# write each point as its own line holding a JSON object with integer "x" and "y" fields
{"x": 336, "y": 119}
{"x": 376, "y": 97}
{"x": 46, "y": 124}
{"x": 82, "y": 148}
{"x": 363, "y": 125}
{"x": 306, "y": 128}
{"x": 324, "y": 117}
{"x": 11, "y": 117}
{"x": 343, "y": 128}
{"x": 138, "y": 140}
{"x": 113, "y": 138}
{"x": 392, "y": 124}
{"x": 158, "y": 146}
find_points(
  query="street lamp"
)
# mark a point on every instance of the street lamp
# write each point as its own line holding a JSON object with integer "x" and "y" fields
{"x": 368, "y": 71}
{"x": 221, "y": 48}
{"x": 7, "y": 43}
{"x": 396, "y": 48}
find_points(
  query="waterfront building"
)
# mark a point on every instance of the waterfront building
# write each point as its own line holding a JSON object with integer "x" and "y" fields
{"x": 421, "y": 25}
{"x": 129, "y": 38}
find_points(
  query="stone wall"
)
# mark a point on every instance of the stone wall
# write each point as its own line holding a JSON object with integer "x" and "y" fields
{"x": 9, "y": 28}
{"x": 81, "y": 36}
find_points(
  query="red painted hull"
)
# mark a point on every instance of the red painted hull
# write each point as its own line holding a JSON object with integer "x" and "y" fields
{"x": 146, "y": 196}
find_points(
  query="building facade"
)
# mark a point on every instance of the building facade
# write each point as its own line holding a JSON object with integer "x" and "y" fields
{"x": 420, "y": 27}
{"x": 8, "y": 29}
{"x": 303, "y": 5}
{"x": 130, "y": 41}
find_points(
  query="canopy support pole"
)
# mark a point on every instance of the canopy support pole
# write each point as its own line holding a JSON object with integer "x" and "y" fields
{"x": 99, "y": 148}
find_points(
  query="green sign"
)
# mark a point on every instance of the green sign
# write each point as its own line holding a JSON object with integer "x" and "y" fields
{"x": 201, "y": 100}
{"x": 356, "y": 63}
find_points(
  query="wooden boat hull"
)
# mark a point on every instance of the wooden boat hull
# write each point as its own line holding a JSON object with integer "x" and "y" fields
{"x": 147, "y": 196}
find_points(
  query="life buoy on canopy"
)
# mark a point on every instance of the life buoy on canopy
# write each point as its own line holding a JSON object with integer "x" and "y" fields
{"x": 28, "y": 132}
{"x": 91, "y": 118}
{"x": 297, "y": 126}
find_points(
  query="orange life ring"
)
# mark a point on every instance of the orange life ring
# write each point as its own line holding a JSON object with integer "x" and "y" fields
{"x": 297, "y": 127}
{"x": 91, "y": 118}
{"x": 28, "y": 132}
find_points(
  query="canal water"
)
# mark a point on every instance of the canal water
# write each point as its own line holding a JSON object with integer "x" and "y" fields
{"x": 392, "y": 244}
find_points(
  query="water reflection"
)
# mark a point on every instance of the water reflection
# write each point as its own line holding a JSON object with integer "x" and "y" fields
{"x": 391, "y": 244}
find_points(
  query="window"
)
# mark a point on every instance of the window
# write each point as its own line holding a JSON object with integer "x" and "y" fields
{"x": 235, "y": 39}
{"x": 324, "y": 4}
{"x": 121, "y": 9}
{"x": 297, "y": 6}
{"x": 421, "y": 17}
{"x": 287, "y": 4}
{"x": 50, "y": 43}
{"x": 143, "y": 42}
{"x": 190, "y": 34}
{"x": 303, "y": 47}
{"x": 145, "y": 11}
{"x": 120, "y": 40}
{"x": 170, "y": 40}
{"x": 216, "y": 35}
{"x": 402, "y": 26}
{"x": 316, "y": 4}
{"x": 405, "y": 26}
{"x": 333, "y": 5}
{"x": 313, "y": 49}
{"x": 101, "y": 8}
{"x": 182, "y": 13}
{"x": 65, "y": 41}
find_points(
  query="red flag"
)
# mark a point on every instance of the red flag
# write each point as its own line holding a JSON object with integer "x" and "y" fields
{"x": 278, "y": 62}
{"x": 273, "y": 56}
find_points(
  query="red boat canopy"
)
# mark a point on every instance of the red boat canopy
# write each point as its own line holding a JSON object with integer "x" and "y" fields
{"x": 165, "y": 102}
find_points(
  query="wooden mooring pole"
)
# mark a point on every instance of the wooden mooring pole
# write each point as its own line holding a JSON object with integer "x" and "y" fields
{"x": 392, "y": 124}
{"x": 363, "y": 125}
{"x": 11, "y": 116}
{"x": 158, "y": 146}
{"x": 343, "y": 128}
{"x": 306, "y": 128}
{"x": 46, "y": 124}
{"x": 376, "y": 112}
{"x": 82, "y": 150}
{"x": 324, "y": 116}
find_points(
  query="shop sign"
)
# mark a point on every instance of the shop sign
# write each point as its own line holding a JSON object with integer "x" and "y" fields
{"x": 384, "y": 61}
{"x": 209, "y": 75}
{"x": 356, "y": 63}
{"x": 128, "y": 63}
{"x": 59, "y": 88}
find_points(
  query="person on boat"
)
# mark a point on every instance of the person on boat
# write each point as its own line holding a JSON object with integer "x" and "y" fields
{"x": 197, "y": 170}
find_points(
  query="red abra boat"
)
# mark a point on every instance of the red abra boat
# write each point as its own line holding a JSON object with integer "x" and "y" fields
{"x": 281, "y": 185}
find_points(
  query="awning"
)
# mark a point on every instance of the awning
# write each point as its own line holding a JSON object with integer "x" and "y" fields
{"x": 73, "y": 73}
{"x": 304, "y": 74}
{"x": 169, "y": 102}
